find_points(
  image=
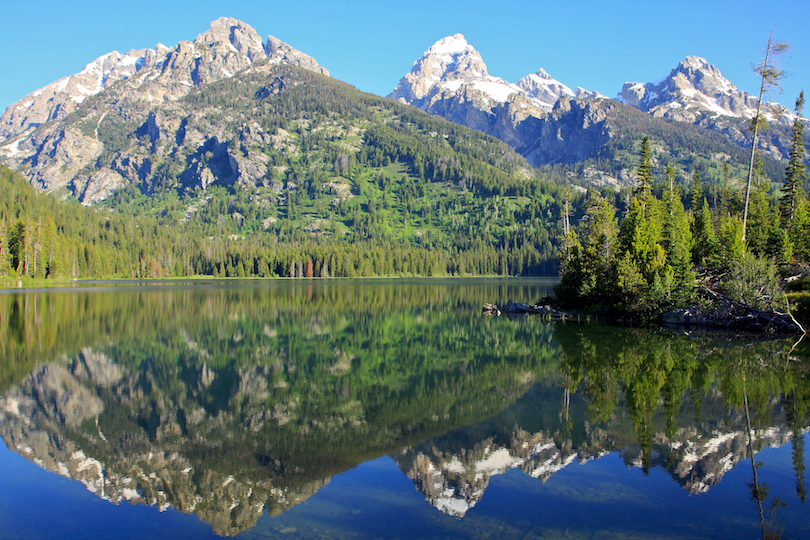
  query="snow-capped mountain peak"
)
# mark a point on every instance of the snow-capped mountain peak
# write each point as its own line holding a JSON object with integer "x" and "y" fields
{"x": 544, "y": 88}
{"x": 60, "y": 97}
{"x": 450, "y": 46}
{"x": 694, "y": 87}
{"x": 452, "y": 67}
{"x": 449, "y": 60}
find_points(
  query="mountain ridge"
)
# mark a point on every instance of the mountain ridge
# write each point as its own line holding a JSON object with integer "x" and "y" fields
{"x": 232, "y": 46}
{"x": 540, "y": 117}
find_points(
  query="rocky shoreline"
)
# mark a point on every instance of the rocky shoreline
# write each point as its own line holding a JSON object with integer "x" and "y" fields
{"x": 729, "y": 316}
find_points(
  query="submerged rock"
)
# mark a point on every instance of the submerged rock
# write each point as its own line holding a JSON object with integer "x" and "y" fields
{"x": 514, "y": 308}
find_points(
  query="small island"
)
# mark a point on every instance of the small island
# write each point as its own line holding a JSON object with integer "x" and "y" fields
{"x": 740, "y": 266}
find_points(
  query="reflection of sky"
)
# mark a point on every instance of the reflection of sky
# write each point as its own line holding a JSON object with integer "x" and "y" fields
{"x": 376, "y": 499}
{"x": 35, "y": 503}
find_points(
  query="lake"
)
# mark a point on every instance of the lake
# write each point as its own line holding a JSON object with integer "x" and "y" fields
{"x": 385, "y": 409}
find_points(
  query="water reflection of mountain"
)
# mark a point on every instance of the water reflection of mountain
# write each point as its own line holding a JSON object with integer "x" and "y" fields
{"x": 230, "y": 403}
{"x": 240, "y": 405}
{"x": 658, "y": 400}
{"x": 453, "y": 471}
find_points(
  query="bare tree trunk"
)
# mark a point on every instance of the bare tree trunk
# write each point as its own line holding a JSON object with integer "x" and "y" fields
{"x": 769, "y": 76}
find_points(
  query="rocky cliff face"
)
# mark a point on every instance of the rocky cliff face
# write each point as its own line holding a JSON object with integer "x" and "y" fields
{"x": 697, "y": 93}
{"x": 570, "y": 133}
{"x": 227, "y": 47}
{"x": 540, "y": 118}
{"x": 58, "y": 99}
{"x": 542, "y": 87}
{"x": 80, "y": 153}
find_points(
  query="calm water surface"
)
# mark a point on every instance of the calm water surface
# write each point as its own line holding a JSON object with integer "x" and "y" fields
{"x": 385, "y": 409}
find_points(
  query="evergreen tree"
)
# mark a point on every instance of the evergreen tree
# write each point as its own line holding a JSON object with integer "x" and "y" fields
{"x": 5, "y": 258}
{"x": 16, "y": 247}
{"x": 677, "y": 235}
{"x": 796, "y": 173}
{"x": 731, "y": 238}
{"x": 800, "y": 231}
{"x": 696, "y": 193}
{"x": 587, "y": 274}
{"x": 644, "y": 171}
{"x": 761, "y": 215}
{"x": 706, "y": 246}
{"x": 640, "y": 233}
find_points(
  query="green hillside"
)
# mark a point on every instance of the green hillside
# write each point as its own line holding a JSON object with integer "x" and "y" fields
{"x": 355, "y": 185}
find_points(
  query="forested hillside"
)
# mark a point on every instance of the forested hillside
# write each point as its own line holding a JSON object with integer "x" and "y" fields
{"x": 281, "y": 171}
{"x": 352, "y": 185}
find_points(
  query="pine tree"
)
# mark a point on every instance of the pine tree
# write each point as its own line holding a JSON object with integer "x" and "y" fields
{"x": 677, "y": 235}
{"x": 760, "y": 215}
{"x": 644, "y": 172}
{"x": 706, "y": 248}
{"x": 5, "y": 258}
{"x": 796, "y": 173}
{"x": 640, "y": 232}
{"x": 597, "y": 236}
{"x": 800, "y": 231}
{"x": 696, "y": 194}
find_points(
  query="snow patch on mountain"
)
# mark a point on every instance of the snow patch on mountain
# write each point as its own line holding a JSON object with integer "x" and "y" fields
{"x": 695, "y": 88}
{"x": 452, "y": 68}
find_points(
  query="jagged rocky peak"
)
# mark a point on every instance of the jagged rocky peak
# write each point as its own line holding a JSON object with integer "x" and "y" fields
{"x": 278, "y": 51}
{"x": 453, "y": 57}
{"x": 692, "y": 88}
{"x": 236, "y": 35}
{"x": 544, "y": 88}
{"x": 228, "y": 46}
{"x": 449, "y": 60}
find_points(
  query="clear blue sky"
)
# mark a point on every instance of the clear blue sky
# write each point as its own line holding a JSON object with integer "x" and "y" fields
{"x": 596, "y": 45}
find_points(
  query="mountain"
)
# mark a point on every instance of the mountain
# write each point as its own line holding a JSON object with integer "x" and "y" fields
{"x": 695, "y": 88}
{"x": 451, "y": 67}
{"x": 227, "y": 47}
{"x": 549, "y": 124}
{"x": 74, "y": 150}
{"x": 233, "y": 433}
{"x": 452, "y": 81}
{"x": 57, "y": 99}
{"x": 229, "y": 137}
{"x": 226, "y": 109}
{"x": 696, "y": 92}
{"x": 453, "y": 478}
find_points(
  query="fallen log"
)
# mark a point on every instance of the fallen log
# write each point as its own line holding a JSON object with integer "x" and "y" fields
{"x": 734, "y": 315}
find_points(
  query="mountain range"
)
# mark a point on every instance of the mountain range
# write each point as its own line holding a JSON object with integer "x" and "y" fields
{"x": 124, "y": 119}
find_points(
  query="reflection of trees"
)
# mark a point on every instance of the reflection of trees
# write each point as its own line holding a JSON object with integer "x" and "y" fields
{"x": 36, "y": 327}
{"x": 645, "y": 368}
{"x": 281, "y": 387}
{"x": 796, "y": 407}
{"x": 276, "y": 388}
{"x": 623, "y": 390}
